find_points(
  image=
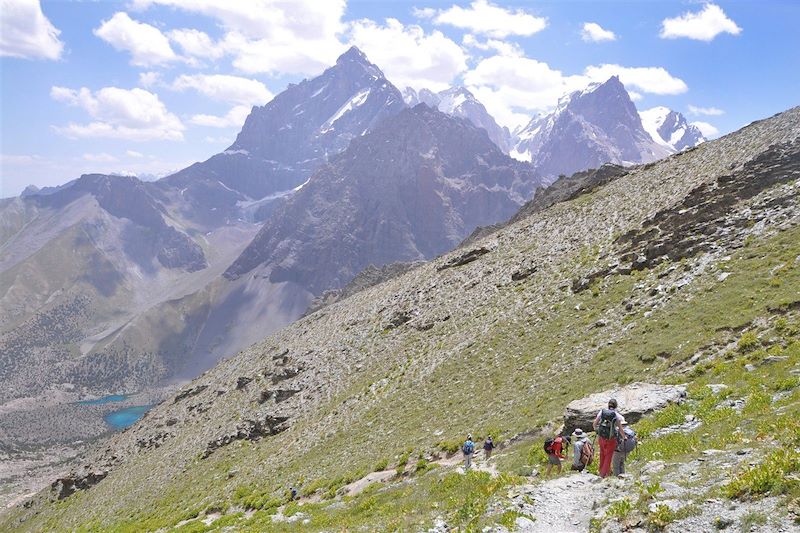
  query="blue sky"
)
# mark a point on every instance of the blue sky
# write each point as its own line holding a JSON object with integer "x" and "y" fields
{"x": 150, "y": 86}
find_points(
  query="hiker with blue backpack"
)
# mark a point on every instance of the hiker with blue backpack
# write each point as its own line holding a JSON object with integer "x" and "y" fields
{"x": 624, "y": 447}
{"x": 608, "y": 426}
{"x": 468, "y": 449}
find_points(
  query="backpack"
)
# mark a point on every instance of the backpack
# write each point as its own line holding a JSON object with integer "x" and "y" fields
{"x": 608, "y": 421}
{"x": 587, "y": 453}
{"x": 469, "y": 447}
{"x": 548, "y": 446}
{"x": 629, "y": 444}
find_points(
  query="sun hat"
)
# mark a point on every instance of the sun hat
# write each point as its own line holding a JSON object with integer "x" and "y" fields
{"x": 578, "y": 433}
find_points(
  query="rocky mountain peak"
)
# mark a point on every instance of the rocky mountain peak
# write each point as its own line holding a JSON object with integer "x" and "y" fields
{"x": 670, "y": 128}
{"x": 409, "y": 190}
{"x": 284, "y": 141}
{"x": 588, "y": 128}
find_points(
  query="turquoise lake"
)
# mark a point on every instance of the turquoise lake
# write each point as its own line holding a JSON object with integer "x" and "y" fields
{"x": 126, "y": 417}
{"x": 104, "y": 399}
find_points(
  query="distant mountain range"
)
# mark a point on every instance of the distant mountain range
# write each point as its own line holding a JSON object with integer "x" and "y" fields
{"x": 141, "y": 283}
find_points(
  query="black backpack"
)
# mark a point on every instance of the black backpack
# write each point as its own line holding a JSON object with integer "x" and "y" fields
{"x": 607, "y": 428}
{"x": 548, "y": 445}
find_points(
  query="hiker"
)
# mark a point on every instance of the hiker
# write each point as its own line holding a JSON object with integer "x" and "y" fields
{"x": 582, "y": 451}
{"x": 623, "y": 448}
{"x": 488, "y": 446}
{"x": 292, "y": 494}
{"x": 555, "y": 448}
{"x": 608, "y": 426}
{"x": 468, "y": 449}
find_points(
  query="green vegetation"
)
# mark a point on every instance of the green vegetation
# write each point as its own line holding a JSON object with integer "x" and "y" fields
{"x": 519, "y": 372}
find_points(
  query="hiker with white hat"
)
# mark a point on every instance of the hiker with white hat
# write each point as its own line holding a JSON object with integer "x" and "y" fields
{"x": 582, "y": 451}
{"x": 624, "y": 447}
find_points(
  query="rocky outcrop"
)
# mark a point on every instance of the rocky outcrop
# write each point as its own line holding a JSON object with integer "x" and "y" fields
{"x": 250, "y": 430}
{"x": 635, "y": 401}
{"x": 68, "y": 485}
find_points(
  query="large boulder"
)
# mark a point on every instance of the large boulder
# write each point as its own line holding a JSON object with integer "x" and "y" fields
{"x": 635, "y": 401}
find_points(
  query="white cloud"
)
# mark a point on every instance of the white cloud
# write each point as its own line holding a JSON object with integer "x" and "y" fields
{"x": 134, "y": 114}
{"x": 593, "y": 32}
{"x": 196, "y": 43}
{"x": 503, "y": 48}
{"x": 150, "y": 78}
{"x": 706, "y": 129}
{"x": 25, "y": 31}
{"x": 272, "y": 36}
{"x": 514, "y": 87}
{"x": 407, "y": 55}
{"x": 703, "y": 25}
{"x": 653, "y": 80}
{"x": 146, "y": 44}
{"x": 134, "y": 153}
{"x": 710, "y": 111}
{"x": 486, "y": 18}
{"x": 225, "y": 88}
{"x": 233, "y": 118}
{"x": 635, "y": 97}
{"x": 99, "y": 158}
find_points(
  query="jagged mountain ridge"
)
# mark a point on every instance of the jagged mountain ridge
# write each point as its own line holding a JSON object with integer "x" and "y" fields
{"x": 285, "y": 140}
{"x": 459, "y": 102}
{"x": 586, "y": 130}
{"x": 482, "y": 327}
{"x": 410, "y": 190}
{"x": 670, "y": 128}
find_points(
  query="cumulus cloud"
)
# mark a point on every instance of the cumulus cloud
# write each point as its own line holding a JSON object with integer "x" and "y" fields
{"x": 485, "y": 18}
{"x": 593, "y": 32}
{"x": 134, "y": 153}
{"x": 25, "y": 32}
{"x": 708, "y": 131}
{"x": 150, "y": 78}
{"x": 710, "y": 111}
{"x": 225, "y": 88}
{"x": 196, "y": 43}
{"x": 503, "y": 48}
{"x": 233, "y": 118}
{"x": 131, "y": 114}
{"x": 272, "y": 36}
{"x": 702, "y": 25}
{"x": 514, "y": 87}
{"x": 146, "y": 44}
{"x": 653, "y": 80}
{"x": 407, "y": 55}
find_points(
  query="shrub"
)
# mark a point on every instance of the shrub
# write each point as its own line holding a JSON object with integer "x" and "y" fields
{"x": 383, "y": 464}
{"x": 660, "y": 517}
{"x": 747, "y": 342}
{"x": 449, "y": 446}
{"x": 619, "y": 509}
{"x": 769, "y": 477}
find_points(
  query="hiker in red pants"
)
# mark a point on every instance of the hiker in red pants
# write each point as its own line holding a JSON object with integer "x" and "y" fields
{"x": 608, "y": 425}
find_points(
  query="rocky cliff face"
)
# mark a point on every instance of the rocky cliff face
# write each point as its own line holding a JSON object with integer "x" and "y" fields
{"x": 459, "y": 102}
{"x": 587, "y": 129}
{"x": 285, "y": 140}
{"x": 670, "y": 128}
{"x": 410, "y": 190}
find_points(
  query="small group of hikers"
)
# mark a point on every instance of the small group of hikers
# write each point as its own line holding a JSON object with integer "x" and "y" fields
{"x": 614, "y": 438}
{"x": 468, "y": 449}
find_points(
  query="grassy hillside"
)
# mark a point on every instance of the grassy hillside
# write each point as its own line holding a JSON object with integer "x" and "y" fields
{"x": 683, "y": 271}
